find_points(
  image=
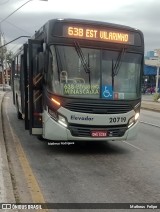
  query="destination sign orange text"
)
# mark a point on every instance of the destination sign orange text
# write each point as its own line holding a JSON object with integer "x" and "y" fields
{"x": 98, "y": 34}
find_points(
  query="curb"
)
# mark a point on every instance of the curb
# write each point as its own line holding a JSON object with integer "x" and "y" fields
{"x": 6, "y": 188}
{"x": 154, "y": 106}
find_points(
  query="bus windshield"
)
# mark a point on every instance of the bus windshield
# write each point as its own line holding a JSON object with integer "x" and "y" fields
{"x": 67, "y": 75}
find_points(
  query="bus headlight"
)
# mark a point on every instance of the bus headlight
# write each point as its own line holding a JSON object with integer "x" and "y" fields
{"x": 62, "y": 121}
{"x": 136, "y": 116}
{"x": 57, "y": 117}
{"x": 133, "y": 120}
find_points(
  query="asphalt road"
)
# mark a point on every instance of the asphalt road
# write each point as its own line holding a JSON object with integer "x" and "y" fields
{"x": 108, "y": 172}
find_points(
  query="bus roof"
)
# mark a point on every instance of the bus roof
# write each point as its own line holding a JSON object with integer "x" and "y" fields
{"x": 93, "y": 22}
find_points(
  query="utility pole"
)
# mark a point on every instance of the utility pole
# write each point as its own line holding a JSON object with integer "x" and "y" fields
{"x": 1, "y": 61}
{"x": 158, "y": 66}
{"x": 5, "y": 65}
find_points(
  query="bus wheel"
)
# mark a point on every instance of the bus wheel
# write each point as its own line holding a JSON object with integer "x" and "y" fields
{"x": 19, "y": 115}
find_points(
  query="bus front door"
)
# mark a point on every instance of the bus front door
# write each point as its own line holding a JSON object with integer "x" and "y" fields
{"x": 35, "y": 88}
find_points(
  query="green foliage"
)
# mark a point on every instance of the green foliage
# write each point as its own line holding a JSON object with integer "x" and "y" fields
{"x": 3, "y": 51}
{"x": 156, "y": 96}
{"x": 9, "y": 56}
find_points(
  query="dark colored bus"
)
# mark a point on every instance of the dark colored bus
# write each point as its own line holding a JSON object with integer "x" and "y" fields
{"x": 80, "y": 80}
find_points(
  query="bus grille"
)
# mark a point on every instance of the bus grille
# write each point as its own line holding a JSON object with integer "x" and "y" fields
{"x": 98, "y": 108}
{"x": 85, "y": 131}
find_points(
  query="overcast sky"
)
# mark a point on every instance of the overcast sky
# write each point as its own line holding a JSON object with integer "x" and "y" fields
{"x": 140, "y": 14}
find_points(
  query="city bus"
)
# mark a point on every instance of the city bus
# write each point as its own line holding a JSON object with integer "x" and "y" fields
{"x": 80, "y": 80}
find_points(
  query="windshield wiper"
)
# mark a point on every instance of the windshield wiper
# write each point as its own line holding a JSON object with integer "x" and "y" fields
{"x": 116, "y": 67}
{"x": 85, "y": 65}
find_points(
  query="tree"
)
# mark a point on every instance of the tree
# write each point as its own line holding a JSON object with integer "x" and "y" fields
{"x": 4, "y": 54}
{"x": 5, "y": 61}
{"x": 9, "y": 56}
{"x": 3, "y": 51}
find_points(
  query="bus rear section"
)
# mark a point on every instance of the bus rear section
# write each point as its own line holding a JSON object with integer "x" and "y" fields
{"x": 82, "y": 81}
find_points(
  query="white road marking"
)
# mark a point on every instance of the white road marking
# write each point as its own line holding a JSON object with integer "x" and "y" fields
{"x": 133, "y": 146}
{"x": 154, "y": 125}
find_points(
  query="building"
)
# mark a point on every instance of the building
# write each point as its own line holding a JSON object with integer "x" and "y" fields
{"x": 150, "y": 54}
{"x": 7, "y": 76}
{"x": 151, "y": 69}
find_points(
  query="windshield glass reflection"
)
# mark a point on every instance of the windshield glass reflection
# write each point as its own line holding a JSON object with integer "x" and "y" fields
{"x": 67, "y": 74}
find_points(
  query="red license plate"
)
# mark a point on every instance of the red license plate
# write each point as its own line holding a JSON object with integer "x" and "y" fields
{"x": 99, "y": 133}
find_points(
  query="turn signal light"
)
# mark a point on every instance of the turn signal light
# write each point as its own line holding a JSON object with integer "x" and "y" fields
{"x": 56, "y": 102}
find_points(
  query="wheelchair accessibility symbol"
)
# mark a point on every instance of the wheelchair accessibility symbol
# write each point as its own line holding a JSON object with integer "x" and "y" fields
{"x": 107, "y": 92}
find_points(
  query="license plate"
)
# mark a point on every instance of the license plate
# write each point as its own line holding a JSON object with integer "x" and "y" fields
{"x": 98, "y": 133}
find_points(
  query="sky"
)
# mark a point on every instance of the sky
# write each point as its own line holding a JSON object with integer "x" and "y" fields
{"x": 141, "y": 14}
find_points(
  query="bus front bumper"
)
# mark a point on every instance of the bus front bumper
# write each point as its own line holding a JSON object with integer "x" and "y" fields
{"x": 52, "y": 130}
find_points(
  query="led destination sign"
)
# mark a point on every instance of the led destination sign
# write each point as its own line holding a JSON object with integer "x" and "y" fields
{"x": 99, "y": 34}
{"x": 81, "y": 89}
